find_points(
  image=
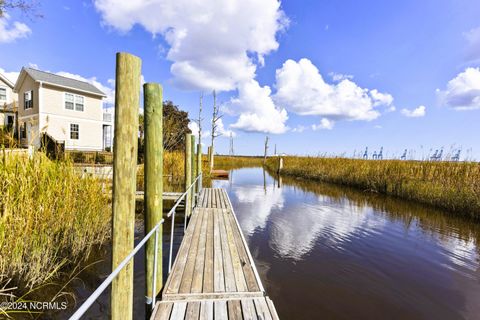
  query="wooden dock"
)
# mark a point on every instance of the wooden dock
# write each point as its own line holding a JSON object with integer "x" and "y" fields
{"x": 214, "y": 275}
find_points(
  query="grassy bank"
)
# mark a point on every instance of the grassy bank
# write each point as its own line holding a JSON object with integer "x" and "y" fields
{"x": 453, "y": 186}
{"x": 237, "y": 162}
{"x": 49, "y": 218}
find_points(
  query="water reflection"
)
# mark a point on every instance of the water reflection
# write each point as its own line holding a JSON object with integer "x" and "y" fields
{"x": 352, "y": 254}
{"x": 258, "y": 199}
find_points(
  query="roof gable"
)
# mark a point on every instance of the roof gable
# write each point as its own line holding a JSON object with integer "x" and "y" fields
{"x": 60, "y": 81}
{"x": 6, "y": 81}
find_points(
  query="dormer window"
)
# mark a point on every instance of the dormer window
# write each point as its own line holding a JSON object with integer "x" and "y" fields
{"x": 28, "y": 100}
{"x": 74, "y": 102}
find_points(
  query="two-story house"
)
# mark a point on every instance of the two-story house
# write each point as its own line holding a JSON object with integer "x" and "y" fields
{"x": 68, "y": 111}
{"x": 8, "y": 100}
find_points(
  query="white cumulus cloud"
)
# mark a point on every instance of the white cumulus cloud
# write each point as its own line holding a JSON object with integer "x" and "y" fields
{"x": 258, "y": 111}
{"x": 325, "y": 124}
{"x": 212, "y": 45}
{"x": 463, "y": 91}
{"x": 302, "y": 89}
{"x": 11, "y": 32}
{"x": 415, "y": 113}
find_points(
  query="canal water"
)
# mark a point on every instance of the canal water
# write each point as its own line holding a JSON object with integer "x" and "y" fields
{"x": 327, "y": 252}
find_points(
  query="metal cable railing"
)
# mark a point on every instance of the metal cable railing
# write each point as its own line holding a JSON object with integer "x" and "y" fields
{"x": 94, "y": 296}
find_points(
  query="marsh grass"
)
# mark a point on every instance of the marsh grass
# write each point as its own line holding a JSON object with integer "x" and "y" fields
{"x": 237, "y": 162}
{"x": 453, "y": 186}
{"x": 50, "y": 218}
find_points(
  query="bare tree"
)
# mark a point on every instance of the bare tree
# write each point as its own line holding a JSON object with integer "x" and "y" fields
{"x": 266, "y": 150}
{"x": 200, "y": 119}
{"x": 232, "y": 152}
{"x": 216, "y": 116}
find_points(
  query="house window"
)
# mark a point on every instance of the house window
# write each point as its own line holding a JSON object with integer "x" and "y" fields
{"x": 74, "y": 102}
{"x": 79, "y": 103}
{"x": 28, "y": 100}
{"x": 69, "y": 98}
{"x": 3, "y": 93}
{"x": 74, "y": 131}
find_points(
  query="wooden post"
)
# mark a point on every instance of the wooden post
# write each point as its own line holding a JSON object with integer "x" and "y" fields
{"x": 194, "y": 170}
{"x": 188, "y": 172}
{"x": 280, "y": 164}
{"x": 127, "y": 101}
{"x": 153, "y": 201}
{"x": 199, "y": 164}
{"x": 212, "y": 158}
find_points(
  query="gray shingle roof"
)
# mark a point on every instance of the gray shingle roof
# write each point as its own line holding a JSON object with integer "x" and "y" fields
{"x": 62, "y": 81}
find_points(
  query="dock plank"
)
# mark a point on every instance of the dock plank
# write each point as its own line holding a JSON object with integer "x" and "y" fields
{"x": 206, "y": 310}
{"x": 220, "y": 310}
{"x": 193, "y": 311}
{"x": 218, "y": 276}
{"x": 236, "y": 264}
{"x": 173, "y": 281}
{"x": 187, "y": 277}
{"x": 197, "y": 281}
{"x": 230, "y": 284}
{"x": 234, "y": 310}
{"x": 178, "y": 311}
{"x": 209, "y": 254}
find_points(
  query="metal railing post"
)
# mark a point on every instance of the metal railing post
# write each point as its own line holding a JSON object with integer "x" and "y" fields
{"x": 154, "y": 280}
{"x": 171, "y": 244}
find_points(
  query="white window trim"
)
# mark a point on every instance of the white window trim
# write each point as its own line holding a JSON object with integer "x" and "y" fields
{"x": 70, "y": 131}
{"x": 6, "y": 93}
{"x": 31, "y": 99}
{"x": 74, "y": 101}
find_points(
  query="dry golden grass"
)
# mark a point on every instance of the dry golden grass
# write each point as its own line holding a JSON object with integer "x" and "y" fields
{"x": 49, "y": 217}
{"x": 236, "y": 162}
{"x": 454, "y": 186}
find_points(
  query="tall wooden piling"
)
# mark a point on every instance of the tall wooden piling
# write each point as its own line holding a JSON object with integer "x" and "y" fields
{"x": 188, "y": 172}
{"x": 153, "y": 202}
{"x": 199, "y": 164}
{"x": 194, "y": 168}
{"x": 127, "y": 101}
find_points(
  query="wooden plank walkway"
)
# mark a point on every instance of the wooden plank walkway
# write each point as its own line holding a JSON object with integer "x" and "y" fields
{"x": 214, "y": 276}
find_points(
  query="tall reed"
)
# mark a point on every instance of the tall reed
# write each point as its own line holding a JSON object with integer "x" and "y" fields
{"x": 49, "y": 217}
{"x": 454, "y": 186}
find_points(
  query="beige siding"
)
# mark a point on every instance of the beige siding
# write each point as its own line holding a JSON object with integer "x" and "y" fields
{"x": 90, "y": 132}
{"x": 53, "y": 102}
{"x": 27, "y": 85}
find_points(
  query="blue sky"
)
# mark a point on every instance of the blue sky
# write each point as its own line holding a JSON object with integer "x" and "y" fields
{"x": 315, "y": 76}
